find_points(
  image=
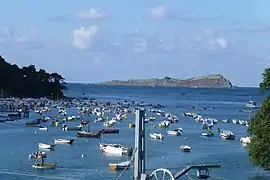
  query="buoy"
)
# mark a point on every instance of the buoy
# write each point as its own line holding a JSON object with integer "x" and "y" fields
{"x": 82, "y": 155}
{"x": 185, "y": 138}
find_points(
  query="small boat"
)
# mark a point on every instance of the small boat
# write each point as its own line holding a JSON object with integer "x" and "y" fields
{"x": 185, "y": 148}
{"x": 208, "y": 134}
{"x": 119, "y": 166}
{"x": 158, "y": 136}
{"x": 46, "y": 146}
{"x": 44, "y": 166}
{"x": 245, "y": 140}
{"x": 71, "y": 128}
{"x": 88, "y": 134}
{"x": 251, "y": 104}
{"x": 227, "y": 135}
{"x": 115, "y": 149}
{"x": 175, "y": 132}
{"x": 110, "y": 131}
{"x": 33, "y": 123}
{"x": 63, "y": 141}
{"x": 37, "y": 155}
{"x": 43, "y": 128}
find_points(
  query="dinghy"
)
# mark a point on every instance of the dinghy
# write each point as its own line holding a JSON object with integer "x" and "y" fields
{"x": 63, "y": 141}
{"x": 44, "y": 166}
{"x": 158, "y": 136}
{"x": 119, "y": 166}
{"x": 43, "y": 128}
{"x": 185, "y": 148}
{"x": 46, "y": 146}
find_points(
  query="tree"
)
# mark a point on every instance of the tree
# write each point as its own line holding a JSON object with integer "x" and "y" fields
{"x": 259, "y": 148}
{"x": 28, "y": 82}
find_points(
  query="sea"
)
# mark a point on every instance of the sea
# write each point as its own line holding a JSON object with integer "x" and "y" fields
{"x": 84, "y": 161}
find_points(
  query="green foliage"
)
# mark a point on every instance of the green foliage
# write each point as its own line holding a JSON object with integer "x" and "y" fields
{"x": 259, "y": 148}
{"x": 265, "y": 85}
{"x": 28, "y": 82}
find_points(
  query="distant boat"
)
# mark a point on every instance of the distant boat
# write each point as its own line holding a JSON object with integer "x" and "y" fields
{"x": 63, "y": 141}
{"x": 46, "y": 146}
{"x": 115, "y": 149}
{"x": 251, "y": 104}
{"x": 158, "y": 136}
{"x": 245, "y": 140}
{"x": 88, "y": 134}
{"x": 43, "y": 128}
{"x": 227, "y": 135}
{"x": 119, "y": 166}
{"x": 185, "y": 148}
{"x": 44, "y": 166}
{"x": 175, "y": 132}
{"x": 208, "y": 134}
{"x": 110, "y": 131}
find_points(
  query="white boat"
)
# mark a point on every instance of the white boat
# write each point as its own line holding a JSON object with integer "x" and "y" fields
{"x": 208, "y": 134}
{"x": 251, "y": 104}
{"x": 175, "y": 132}
{"x": 46, "y": 146}
{"x": 119, "y": 166}
{"x": 44, "y": 166}
{"x": 185, "y": 148}
{"x": 227, "y": 135}
{"x": 63, "y": 141}
{"x": 156, "y": 136}
{"x": 115, "y": 149}
{"x": 72, "y": 128}
{"x": 245, "y": 140}
{"x": 235, "y": 121}
{"x": 242, "y": 122}
{"x": 43, "y": 128}
{"x": 36, "y": 155}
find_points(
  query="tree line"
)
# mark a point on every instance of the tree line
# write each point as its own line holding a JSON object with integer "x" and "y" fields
{"x": 29, "y": 82}
{"x": 259, "y": 148}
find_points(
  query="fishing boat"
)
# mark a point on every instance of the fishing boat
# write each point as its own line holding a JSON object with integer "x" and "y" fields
{"x": 110, "y": 131}
{"x": 158, "y": 136}
{"x": 228, "y": 135}
{"x": 115, "y": 149}
{"x": 63, "y": 141}
{"x": 119, "y": 166}
{"x": 185, "y": 148}
{"x": 251, "y": 104}
{"x": 88, "y": 134}
{"x": 46, "y": 146}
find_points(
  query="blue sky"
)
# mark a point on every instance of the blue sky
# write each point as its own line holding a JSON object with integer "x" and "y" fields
{"x": 93, "y": 41}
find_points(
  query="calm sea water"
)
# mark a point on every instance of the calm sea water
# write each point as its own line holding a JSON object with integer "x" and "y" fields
{"x": 18, "y": 141}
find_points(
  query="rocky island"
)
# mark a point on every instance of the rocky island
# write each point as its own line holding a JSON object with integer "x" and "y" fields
{"x": 210, "y": 81}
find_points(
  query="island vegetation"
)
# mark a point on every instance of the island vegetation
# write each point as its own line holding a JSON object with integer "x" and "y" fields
{"x": 259, "y": 148}
{"x": 29, "y": 82}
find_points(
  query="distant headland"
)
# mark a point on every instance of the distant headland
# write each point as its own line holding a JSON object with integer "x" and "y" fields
{"x": 210, "y": 81}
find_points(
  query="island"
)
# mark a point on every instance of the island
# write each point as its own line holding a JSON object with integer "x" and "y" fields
{"x": 29, "y": 82}
{"x": 210, "y": 81}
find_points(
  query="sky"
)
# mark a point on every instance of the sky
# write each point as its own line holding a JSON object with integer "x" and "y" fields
{"x": 92, "y": 41}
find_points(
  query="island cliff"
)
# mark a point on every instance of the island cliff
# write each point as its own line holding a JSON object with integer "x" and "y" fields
{"x": 210, "y": 81}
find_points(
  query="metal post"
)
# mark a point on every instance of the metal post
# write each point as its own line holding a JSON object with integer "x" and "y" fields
{"x": 139, "y": 159}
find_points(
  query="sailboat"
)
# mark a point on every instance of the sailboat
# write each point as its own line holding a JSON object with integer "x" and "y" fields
{"x": 88, "y": 134}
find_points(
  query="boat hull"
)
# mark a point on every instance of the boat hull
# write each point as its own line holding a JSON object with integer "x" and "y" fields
{"x": 44, "y": 166}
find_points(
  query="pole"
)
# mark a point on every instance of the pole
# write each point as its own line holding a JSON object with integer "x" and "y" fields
{"x": 139, "y": 159}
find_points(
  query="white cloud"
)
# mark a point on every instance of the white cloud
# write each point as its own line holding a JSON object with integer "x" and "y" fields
{"x": 91, "y": 14}
{"x": 159, "y": 12}
{"x": 82, "y": 37}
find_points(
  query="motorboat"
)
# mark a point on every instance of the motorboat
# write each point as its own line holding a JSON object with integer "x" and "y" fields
{"x": 208, "y": 134}
{"x": 43, "y": 128}
{"x": 175, "y": 132}
{"x": 245, "y": 140}
{"x": 37, "y": 155}
{"x": 185, "y": 148}
{"x": 158, "y": 136}
{"x": 119, "y": 166}
{"x": 63, "y": 141}
{"x": 46, "y": 146}
{"x": 251, "y": 104}
{"x": 228, "y": 135}
{"x": 44, "y": 166}
{"x": 115, "y": 149}
{"x": 88, "y": 134}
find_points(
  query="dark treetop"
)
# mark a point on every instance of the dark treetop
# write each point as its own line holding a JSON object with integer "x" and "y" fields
{"x": 29, "y": 82}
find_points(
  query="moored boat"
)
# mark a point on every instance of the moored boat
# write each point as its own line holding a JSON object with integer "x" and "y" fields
{"x": 110, "y": 131}
{"x": 88, "y": 134}
{"x": 71, "y": 128}
{"x": 119, "y": 166}
{"x": 63, "y": 141}
{"x": 227, "y": 135}
{"x": 208, "y": 134}
{"x": 44, "y": 166}
{"x": 158, "y": 136}
{"x": 43, "y": 128}
{"x": 185, "y": 148}
{"x": 46, "y": 146}
{"x": 175, "y": 132}
{"x": 115, "y": 149}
